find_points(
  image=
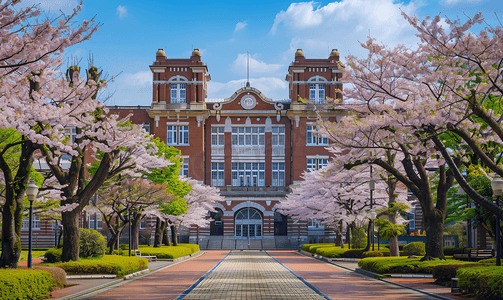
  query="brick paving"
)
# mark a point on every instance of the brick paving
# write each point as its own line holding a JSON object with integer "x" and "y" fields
{"x": 251, "y": 275}
{"x": 338, "y": 283}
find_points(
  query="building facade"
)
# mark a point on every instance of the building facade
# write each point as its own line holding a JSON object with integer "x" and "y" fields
{"x": 251, "y": 147}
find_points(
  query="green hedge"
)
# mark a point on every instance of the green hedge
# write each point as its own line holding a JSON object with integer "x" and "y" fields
{"x": 485, "y": 282}
{"x": 53, "y": 255}
{"x": 404, "y": 265}
{"x": 312, "y": 247}
{"x": 415, "y": 248}
{"x": 166, "y": 252}
{"x": 108, "y": 264}
{"x": 193, "y": 247}
{"x": 444, "y": 273}
{"x": 24, "y": 284}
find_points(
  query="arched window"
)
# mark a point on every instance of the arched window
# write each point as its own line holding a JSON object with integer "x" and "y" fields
{"x": 178, "y": 85}
{"x": 317, "y": 86}
{"x": 248, "y": 223}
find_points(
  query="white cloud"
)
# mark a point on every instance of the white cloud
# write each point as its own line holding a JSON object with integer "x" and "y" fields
{"x": 271, "y": 87}
{"x": 131, "y": 89}
{"x": 121, "y": 11}
{"x": 256, "y": 66}
{"x": 318, "y": 29}
{"x": 240, "y": 25}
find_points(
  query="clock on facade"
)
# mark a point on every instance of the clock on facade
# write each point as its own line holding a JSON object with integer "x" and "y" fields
{"x": 248, "y": 102}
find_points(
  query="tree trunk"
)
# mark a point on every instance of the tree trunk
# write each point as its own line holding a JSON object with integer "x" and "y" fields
{"x": 348, "y": 235}
{"x": 165, "y": 236}
{"x": 338, "y": 237}
{"x": 434, "y": 226}
{"x": 135, "y": 232}
{"x": 12, "y": 220}
{"x": 71, "y": 235}
{"x": 393, "y": 246}
{"x": 158, "y": 233}
{"x": 174, "y": 235}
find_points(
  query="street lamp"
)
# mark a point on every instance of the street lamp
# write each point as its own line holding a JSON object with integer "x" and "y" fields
{"x": 497, "y": 186}
{"x": 31, "y": 193}
{"x": 373, "y": 216}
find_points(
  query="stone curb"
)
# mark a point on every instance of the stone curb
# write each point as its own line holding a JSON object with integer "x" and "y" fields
{"x": 136, "y": 274}
{"x": 329, "y": 259}
{"x": 91, "y": 276}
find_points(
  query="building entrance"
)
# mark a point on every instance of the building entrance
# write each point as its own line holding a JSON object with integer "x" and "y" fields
{"x": 248, "y": 223}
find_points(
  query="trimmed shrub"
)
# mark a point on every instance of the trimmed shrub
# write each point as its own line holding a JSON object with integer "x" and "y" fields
{"x": 444, "y": 273}
{"x": 331, "y": 252}
{"x": 24, "y": 284}
{"x": 108, "y": 264}
{"x": 124, "y": 246}
{"x": 373, "y": 254}
{"x": 58, "y": 275}
{"x": 485, "y": 282}
{"x": 166, "y": 252}
{"x": 53, "y": 255}
{"x": 414, "y": 248}
{"x": 193, "y": 247}
{"x": 449, "y": 250}
{"x": 92, "y": 243}
{"x": 359, "y": 238}
{"x": 310, "y": 247}
{"x": 353, "y": 253}
{"x": 403, "y": 265}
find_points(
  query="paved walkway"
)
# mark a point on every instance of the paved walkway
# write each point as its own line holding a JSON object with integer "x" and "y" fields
{"x": 251, "y": 275}
{"x": 255, "y": 275}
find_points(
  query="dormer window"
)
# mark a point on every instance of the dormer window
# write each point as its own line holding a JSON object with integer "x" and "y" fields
{"x": 178, "y": 93}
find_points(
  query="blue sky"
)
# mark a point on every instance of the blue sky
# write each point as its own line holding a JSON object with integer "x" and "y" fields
{"x": 224, "y": 31}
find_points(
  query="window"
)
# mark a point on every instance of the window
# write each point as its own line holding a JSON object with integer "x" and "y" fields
{"x": 184, "y": 168}
{"x": 278, "y": 136}
{"x": 248, "y": 174}
{"x": 248, "y": 136}
{"x": 317, "y": 93}
{"x": 217, "y": 136}
{"x": 26, "y": 222}
{"x": 313, "y": 138}
{"x": 177, "y": 135}
{"x": 71, "y": 132}
{"x": 217, "y": 174}
{"x": 278, "y": 174}
{"x": 178, "y": 92}
{"x": 99, "y": 224}
{"x": 146, "y": 127}
{"x": 143, "y": 223}
{"x": 316, "y": 164}
{"x": 315, "y": 224}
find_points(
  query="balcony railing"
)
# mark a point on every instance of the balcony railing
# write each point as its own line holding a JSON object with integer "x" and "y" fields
{"x": 254, "y": 190}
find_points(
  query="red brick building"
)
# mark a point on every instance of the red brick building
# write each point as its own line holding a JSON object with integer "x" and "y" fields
{"x": 251, "y": 147}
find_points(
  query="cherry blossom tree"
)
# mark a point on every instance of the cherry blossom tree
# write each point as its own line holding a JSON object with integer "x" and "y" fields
{"x": 412, "y": 101}
{"x": 35, "y": 100}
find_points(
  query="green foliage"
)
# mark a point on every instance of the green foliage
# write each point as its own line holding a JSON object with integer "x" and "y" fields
{"x": 373, "y": 254}
{"x": 193, "y": 247}
{"x": 58, "y": 275}
{"x": 450, "y": 250}
{"x": 359, "y": 238}
{"x": 388, "y": 229}
{"x": 331, "y": 252}
{"x": 485, "y": 282}
{"x": 167, "y": 252}
{"x": 444, "y": 273}
{"x": 307, "y": 247}
{"x": 92, "y": 243}
{"x": 24, "y": 284}
{"x": 353, "y": 253}
{"x": 415, "y": 248}
{"x": 108, "y": 264}
{"x": 35, "y": 254}
{"x": 404, "y": 265}
{"x": 53, "y": 255}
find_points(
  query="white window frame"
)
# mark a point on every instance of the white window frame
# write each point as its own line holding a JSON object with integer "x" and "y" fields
{"x": 248, "y": 174}
{"x": 278, "y": 136}
{"x": 71, "y": 132}
{"x": 248, "y": 136}
{"x": 146, "y": 127}
{"x": 217, "y": 174}
{"x": 177, "y": 135}
{"x": 26, "y": 222}
{"x": 184, "y": 168}
{"x": 178, "y": 93}
{"x": 99, "y": 224}
{"x": 217, "y": 136}
{"x": 317, "y": 93}
{"x": 316, "y": 163}
{"x": 278, "y": 174}
{"x": 313, "y": 138}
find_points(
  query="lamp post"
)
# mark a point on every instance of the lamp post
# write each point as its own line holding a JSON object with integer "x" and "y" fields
{"x": 31, "y": 193}
{"x": 373, "y": 216}
{"x": 372, "y": 212}
{"x": 497, "y": 186}
{"x": 129, "y": 217}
